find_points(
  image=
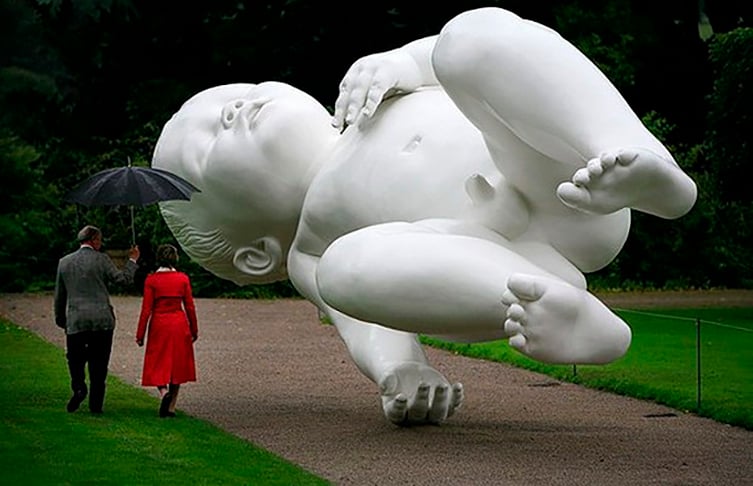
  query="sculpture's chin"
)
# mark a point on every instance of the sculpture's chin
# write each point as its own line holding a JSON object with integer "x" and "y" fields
{"x": 263, "y": 258}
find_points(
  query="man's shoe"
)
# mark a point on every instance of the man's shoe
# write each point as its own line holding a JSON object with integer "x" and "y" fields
{"x": 75, "y": 401}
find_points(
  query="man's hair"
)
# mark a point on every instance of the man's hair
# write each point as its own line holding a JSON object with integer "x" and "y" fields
{"x": 88, "y": 233}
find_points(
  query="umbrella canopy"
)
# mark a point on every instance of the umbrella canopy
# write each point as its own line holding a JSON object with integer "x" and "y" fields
{"x": 131, "y": 186}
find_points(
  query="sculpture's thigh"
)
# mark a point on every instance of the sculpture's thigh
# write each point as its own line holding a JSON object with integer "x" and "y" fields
{"x": 409, "y": 277}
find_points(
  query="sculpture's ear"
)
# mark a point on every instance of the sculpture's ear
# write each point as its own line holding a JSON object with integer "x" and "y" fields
{"x": 262, "y": 258}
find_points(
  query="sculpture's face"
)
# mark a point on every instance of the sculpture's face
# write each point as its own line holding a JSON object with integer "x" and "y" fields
{"x": 252, "y": 151}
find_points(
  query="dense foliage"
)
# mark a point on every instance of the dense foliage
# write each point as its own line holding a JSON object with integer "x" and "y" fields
{"x": 86, "y": 85}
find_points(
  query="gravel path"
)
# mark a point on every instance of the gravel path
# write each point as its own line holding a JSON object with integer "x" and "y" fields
{"x": 270, "y": 373}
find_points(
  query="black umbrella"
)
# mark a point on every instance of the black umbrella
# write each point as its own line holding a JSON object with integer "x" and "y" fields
{"x": 131, "y": 186}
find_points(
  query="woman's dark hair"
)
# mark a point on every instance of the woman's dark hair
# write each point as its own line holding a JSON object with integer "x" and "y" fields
{"x": 167, "y": 256}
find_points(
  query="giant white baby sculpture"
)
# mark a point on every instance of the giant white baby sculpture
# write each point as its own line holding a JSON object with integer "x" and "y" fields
{"x": 481, "y": 173}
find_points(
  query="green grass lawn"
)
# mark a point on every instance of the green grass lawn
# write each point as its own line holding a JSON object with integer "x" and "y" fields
{"x": 661, "y": 363}
{"x": 42, "y": 444}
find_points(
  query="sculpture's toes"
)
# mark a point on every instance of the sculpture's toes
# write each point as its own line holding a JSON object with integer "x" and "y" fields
{"x": 626, "y": 156}
{"x": 514, "y": 327}
{"x": 525, "y": 287}
{"x": 519, "y": 343}
{"x": 574, "y": 196}
{"x": 509, "y": 298}
{"x": 595, "y": 168}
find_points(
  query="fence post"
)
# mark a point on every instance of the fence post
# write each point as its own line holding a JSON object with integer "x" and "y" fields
{"x": 698, "y": 363}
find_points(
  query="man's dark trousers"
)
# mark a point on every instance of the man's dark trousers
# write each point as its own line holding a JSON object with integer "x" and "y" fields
{"x": 91, "y": 347}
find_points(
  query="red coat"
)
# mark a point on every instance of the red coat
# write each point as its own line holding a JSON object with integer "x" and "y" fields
{"x": 168, "y": 311}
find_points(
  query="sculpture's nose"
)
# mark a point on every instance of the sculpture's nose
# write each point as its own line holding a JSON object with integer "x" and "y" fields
{"x": 241, "y": 111}
{"x": 231, "y": 112}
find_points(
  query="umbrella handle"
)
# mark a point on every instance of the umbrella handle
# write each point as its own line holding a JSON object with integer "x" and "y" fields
{"x": 133, "y": 230}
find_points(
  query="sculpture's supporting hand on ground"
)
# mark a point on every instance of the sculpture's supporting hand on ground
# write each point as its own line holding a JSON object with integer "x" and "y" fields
{"x": 411, "y": 391}
{"x": 414, "y": 393}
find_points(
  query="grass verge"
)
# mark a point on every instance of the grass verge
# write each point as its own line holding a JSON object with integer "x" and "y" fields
{"x": 662, "y": 363}
{"x": 40, "y": 443}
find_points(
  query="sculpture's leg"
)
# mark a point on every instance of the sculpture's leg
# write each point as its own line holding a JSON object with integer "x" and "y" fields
{"x": 412, "y": 392}
{"x": 518, "y": 80}
{"x": 414, "y": 278}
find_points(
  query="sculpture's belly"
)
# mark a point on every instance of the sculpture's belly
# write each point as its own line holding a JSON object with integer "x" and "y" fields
{"x": 411, "y": 163}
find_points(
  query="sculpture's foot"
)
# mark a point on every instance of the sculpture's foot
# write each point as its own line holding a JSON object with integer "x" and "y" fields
{"x": 554, "y": 322}
{"x": 630, "y": 178}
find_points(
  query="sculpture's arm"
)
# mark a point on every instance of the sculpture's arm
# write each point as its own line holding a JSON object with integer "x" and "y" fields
{"x": 412, "y": 392}
{"x": 377, "y": 76}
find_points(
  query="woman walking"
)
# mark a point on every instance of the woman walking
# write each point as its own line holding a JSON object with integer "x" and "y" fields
{"x": 169, "y": 314}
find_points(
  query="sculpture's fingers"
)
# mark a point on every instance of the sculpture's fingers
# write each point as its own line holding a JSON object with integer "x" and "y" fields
{"x": 355, "y": 103}
{"x": 358, "y": 94}
{"x": 343, "y": 98}
{"x": 418, "y": 410}
{"x": 440, "y": 404}
{"x": 457, "y": 395}
{"x": 396, "y": 409}
{"x": 374, "y": 98}
{"x": 338, "y": 119}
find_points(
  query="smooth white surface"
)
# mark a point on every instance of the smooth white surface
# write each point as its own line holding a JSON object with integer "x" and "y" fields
{"x": 481, "y": 173}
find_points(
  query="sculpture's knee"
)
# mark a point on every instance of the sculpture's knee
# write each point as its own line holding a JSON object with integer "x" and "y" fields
{"x": 468, "y": 41}
{"x": 341, "y": 269}
{"x": 478, "y": 40}
{"x": 361, "y": 263}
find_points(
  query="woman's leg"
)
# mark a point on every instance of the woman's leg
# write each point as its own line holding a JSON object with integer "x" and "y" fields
{"x": 174, "y": 390}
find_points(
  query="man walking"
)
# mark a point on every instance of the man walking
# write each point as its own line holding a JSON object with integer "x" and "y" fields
{"x": 83, "y": 309}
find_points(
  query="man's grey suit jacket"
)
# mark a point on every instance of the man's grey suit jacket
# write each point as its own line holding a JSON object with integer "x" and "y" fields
{"x": 82, "y": 300}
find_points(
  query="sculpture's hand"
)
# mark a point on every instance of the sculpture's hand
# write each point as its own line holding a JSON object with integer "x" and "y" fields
{"x": 414, "y": 393}
{"x": 370, "y": 80}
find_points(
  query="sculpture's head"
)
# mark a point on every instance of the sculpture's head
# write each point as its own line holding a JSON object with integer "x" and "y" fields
{"x": 252, "y": 150}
